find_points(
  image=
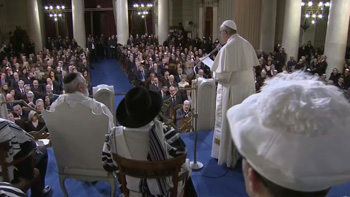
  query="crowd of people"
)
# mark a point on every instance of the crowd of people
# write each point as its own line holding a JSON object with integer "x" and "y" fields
{"x": 30, "y": 83}
{"x": 309, "y": 60}
{"x": 37, "y": 78}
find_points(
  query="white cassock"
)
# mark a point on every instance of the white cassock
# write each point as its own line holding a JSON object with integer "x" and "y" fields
{"x": 233, "y": 70}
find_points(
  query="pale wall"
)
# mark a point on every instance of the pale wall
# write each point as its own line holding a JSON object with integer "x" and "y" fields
{"x": 13, "y": 13}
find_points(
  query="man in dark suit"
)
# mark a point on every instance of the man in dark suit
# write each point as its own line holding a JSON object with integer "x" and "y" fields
{"x": 182, "y": 112}
{"x": 36, "y": 89}
{"x": 20, "y": 113}
{"x": 156, "y": 86}
{"x": 15, "y": 80}
{"x": 3, "y": 79}
{"x": 322, "y": 65}
{"x": 172, "y": 81}
{"x": 142, "y": 75}
{"x": 9, "y": 98}
{"x": 176, "y": 97}
{"x": 164, "y": 92}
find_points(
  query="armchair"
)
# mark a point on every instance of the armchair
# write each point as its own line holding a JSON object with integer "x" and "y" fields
{"x": 77, "y": 136}
{"x": 146, "y": 169}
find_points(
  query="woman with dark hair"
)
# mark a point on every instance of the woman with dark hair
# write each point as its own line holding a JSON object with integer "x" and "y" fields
{"x": 47, "y": 102}
{"x": 52, "y": 76}
{"x": 5, "y": 88}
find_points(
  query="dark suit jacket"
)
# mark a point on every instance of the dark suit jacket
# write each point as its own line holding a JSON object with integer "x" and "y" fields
{"x": 139, "y": 76}
{"x": 177, "y": 99}
{"x": 57, "y": 88}
{"x": 24, "y": 115}
{"x": 155, "y": 88}
{"x": 321, "y": 69}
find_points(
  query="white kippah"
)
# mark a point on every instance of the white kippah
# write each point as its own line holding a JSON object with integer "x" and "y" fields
{"x": 295, "y": 133}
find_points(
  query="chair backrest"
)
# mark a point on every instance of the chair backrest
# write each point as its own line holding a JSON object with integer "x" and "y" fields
{"x": 4, "y": 148}
{"x": 173, "y": 111}
{"x": 77, "y": 136}
{"x": 105, "y": 94}
{"x": 3, "y": 107}
{"x": 150, "y": 170}
{"x": 206, "y": 103}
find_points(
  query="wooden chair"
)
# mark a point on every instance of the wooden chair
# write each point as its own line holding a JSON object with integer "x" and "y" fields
{"x": 151, "y": 170}
{"x": 24, "y": 184}
{"x": 173, "y": 112}
{"x": 186, "y": 123}
{"x": 77, "y": 136}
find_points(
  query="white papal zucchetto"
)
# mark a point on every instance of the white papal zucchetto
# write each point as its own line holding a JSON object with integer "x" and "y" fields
{"x": 295, "y": 132}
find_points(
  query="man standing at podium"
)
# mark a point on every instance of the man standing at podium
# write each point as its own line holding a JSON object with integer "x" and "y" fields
{"x": 233, "y": 70}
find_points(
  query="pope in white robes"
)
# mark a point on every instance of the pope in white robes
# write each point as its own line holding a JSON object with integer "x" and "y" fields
{"x": 233, "y": 70}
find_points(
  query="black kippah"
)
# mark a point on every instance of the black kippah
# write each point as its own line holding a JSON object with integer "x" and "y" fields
{"x": 70, "y": 77}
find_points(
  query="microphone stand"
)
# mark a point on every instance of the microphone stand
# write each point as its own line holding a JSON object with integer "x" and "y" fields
{"x": 196, "y": 165}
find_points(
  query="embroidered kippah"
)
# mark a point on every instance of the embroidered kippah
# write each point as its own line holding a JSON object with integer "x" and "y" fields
{"x": 70, "y": 77}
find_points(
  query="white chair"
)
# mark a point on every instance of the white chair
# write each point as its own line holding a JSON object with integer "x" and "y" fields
{"x": 206, "y": 103}
{"x": 77, "y": 136}
{"x": 105, "y": 94}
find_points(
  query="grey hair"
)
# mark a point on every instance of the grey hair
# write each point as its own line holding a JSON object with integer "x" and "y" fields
{"x": 39, "y": 101}
{"x": 72, "y": 86}
{"x": 17, "y": 107}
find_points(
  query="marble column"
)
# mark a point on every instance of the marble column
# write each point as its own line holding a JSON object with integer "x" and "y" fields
{"x": 34, "y": 24}
{"x": 291, "y": 28}
{"x": 215, "y": 23}
{"x": 122, "y": 21}
{"x": 78, "y": 11}
{"x": 268, "y": 25}
{"x": 114, "y": 2}
{"x": 337, "y": 34}
{"x": 201, "y": 19}
{"x": 163, "y": 20}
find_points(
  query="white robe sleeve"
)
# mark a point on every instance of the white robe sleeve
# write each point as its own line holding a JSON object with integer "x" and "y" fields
{"x": 223, "y": 78}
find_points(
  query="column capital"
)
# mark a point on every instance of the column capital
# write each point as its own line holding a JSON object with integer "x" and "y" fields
{"x": 211, "y": 3}
{"x": 200, "y": 3}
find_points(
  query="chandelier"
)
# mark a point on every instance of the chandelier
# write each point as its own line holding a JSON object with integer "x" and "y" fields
{"x": 142, "y": 9}
{"x": 54, "y": 12}
{"x": 314, "y": 11}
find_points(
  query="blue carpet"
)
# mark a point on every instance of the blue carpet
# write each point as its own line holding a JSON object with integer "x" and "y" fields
{"x": 109, "y": 72}
{"x": 213, "y": 180}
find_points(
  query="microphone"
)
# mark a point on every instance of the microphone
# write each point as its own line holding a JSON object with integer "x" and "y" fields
{"x": 217, "y": 48}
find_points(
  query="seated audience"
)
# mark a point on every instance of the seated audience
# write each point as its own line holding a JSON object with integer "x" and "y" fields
{"x": 289, "y": 144}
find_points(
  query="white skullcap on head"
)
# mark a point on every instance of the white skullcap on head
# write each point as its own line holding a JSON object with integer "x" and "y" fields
{"x": 295, "y": 133}
{"x": 230, "y": 24}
